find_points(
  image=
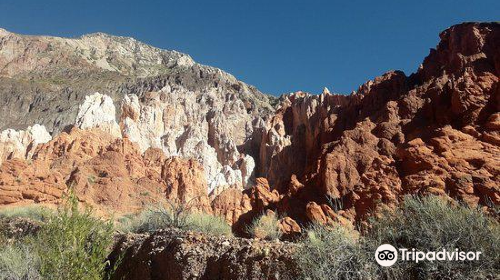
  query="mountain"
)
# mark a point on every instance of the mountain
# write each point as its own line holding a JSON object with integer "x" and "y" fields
{"x": 170, "y": 102}
{"x": 44, "y": 79}
{"x": 436, "y": 131}
{"x": 185, "y": 131}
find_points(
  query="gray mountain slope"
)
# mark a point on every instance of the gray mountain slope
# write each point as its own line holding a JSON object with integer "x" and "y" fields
{"x": 43, "y": 79}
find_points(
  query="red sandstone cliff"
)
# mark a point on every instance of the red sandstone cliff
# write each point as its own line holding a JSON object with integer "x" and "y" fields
{"x": 434, "y": 132}
{"x": 326, "y": 158}
{"x": 107, "y": 173}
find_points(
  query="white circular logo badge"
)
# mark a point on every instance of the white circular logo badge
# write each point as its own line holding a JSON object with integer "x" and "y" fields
{"x": 386, "y": 255}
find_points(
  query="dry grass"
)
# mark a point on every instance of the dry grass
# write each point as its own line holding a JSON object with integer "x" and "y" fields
{"x": 174, "y": 215}
{"x": 33, "y": 211}
{"x": 265, "y": 227}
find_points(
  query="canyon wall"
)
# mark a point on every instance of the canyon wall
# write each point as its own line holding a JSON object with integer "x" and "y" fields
{"x": 195, "y": 131}
{"x": 433, "y": 132}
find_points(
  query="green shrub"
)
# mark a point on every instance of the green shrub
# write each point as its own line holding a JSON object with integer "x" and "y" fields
{"x": 73, "y": 244}
{"x": 33, "y": 211}
{"x": 160, "y": 217}
{"x": 333, "y": 253}
{"x": 208, "y": 224}
{"x": 430, "y": 224}
{"x": 265, "y": 227}
{"x": 152, "y": 219}
{"x": 19, "y": 261}
{"x": 426, "y": 224}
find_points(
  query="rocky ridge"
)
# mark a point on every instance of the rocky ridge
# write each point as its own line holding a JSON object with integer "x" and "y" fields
{"x": 44, "y": 79}
{"x": 318, "y": 158}
{"x": 337, "y": 159}
{"x": 169, "y": 101}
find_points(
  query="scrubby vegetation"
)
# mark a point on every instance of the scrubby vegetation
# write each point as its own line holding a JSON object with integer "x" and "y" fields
{"x": 150, "y": 219}
{"x": 265, "y": 227}
{"x": 174, "y": 215}
{"x": 431, "y": 224}
{"x": 19, "y": 261}
{"x": 334, "y": 253}
{"x": 33, "y": 212}
{"x": 71, "y": 244}
{"x": 208, "y": 224}
{"x": 426, "y": 224}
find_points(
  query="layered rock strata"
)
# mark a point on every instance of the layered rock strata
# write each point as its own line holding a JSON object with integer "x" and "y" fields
{"x": 332, "y": 159}
{"x": 340, "y": 158}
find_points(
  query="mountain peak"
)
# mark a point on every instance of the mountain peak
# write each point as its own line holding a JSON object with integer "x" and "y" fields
{"x": 3, "y": 32}
{"x": 62, "y": 71}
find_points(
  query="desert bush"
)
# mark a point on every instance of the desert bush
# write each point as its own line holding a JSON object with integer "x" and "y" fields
{"x": 333, "y": 253}
{"x": 171, "y": 215}
{"x": 207, "y": 224}
{"x": 265, "y": 227}
{"x": 73, "y": 244}
{"x": 19, "y": 261}
{"x": 431, "y": 224}
{"x": 33, "y": 212}
{"x": 147, "y": 220}
{"x": 154, "y": 218}
{"x": 424, "y": 223}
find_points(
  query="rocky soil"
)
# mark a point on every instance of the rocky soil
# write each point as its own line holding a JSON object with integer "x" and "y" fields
{"x": 172, "y": 253}
{"x": 175, "y": 254}
{"x": 12, "y": 229}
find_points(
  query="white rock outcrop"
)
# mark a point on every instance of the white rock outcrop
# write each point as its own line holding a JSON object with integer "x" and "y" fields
{"x": 207, "y": 126}
{"x": 98, "y": 111}
{"x": 247, "y": 167}
{"x": 22, "y": 143}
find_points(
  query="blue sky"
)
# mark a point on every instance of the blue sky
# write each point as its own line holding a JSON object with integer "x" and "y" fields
{"x": 278, "y": 46}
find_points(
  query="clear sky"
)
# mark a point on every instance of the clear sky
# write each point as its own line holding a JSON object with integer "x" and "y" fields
{"x": 278, "y": 46}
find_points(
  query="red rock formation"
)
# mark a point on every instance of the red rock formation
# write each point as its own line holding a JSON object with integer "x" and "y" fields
{"x": 186, "y": 183}
{"x": 231, "y": 204}
{"x": 330, "y": 159}
{"x": 109, "y": 174}
{"x": 434, "y": 132}
{"x": 289, "y": 226}
{"x": 261, "y": 196}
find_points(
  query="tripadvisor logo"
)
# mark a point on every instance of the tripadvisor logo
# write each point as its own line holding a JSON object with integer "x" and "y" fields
{"x": 387, "y": 255}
